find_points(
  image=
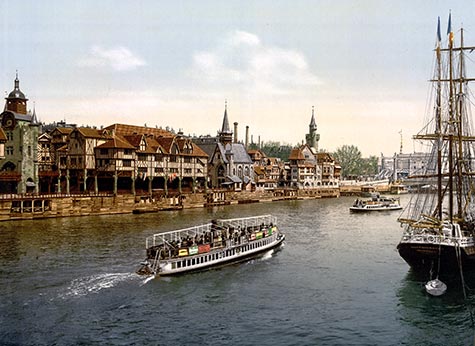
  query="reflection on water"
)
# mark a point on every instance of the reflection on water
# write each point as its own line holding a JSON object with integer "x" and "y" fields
{"x": 444, "y": 320}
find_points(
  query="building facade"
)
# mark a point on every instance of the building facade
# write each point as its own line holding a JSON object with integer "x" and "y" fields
{"x": 19, "y": 166}
{"x": 229, "y": 164}
{"x": 144, "y": 160}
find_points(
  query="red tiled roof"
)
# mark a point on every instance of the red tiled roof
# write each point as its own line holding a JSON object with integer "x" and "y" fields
{"x": 197, "y": 151}
{"x": 296, "y": 154}
{"x": 125, "y": 130}
{"x": 92, "y": 133}
{"x": 117, "y": 143}
{"x": 63, "y": 130}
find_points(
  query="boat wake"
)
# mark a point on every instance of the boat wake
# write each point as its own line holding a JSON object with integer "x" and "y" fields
{"x": 150, "y": 278}
{"x": 267, "y": 255}
{"x": 95, "y": 283}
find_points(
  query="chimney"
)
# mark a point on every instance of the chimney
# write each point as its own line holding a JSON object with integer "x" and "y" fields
{"x": 235, "y": 132}
{"x": 247, "y": 136}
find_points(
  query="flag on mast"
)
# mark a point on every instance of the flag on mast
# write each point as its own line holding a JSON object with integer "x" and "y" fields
{"x": 449, "y": 29}
{"x": 439, "y": 38}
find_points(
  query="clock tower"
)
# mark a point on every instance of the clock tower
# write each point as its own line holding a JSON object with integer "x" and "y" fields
{"x": 16, "y": 100}
{"x": 19, "y": 164}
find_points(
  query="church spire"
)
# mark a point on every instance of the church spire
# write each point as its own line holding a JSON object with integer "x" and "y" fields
{"x": 225, "y": 136}
{"x": 225, "y": 128}
{"x": 313, "y": 124}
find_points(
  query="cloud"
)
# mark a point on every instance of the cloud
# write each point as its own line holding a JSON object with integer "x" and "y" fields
{"x": 242, "y": 61}
{"x": 119, "y": 58}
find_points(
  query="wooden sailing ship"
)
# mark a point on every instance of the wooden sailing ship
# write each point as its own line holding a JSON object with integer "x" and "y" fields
{"x": 439, "y": 228}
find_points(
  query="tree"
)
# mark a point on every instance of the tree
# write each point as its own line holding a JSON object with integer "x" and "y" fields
{"x": 349, "y": 157}
{"x": 275, "y": 149}
{"x": 370, "y": 166}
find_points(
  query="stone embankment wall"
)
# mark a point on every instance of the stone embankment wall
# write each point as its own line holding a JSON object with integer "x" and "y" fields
{"x": 37, "y": 207}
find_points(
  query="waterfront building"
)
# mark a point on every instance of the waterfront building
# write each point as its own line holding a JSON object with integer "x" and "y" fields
{"x": 51, "y": 144}
{"x": 77, "y": 162}
{"x": 310, "y": 169}
{"x": 269, "y": 172}
{"x": 330, "y": 170}
{"x": 142, "y": 159}
{"x": 305, "y": 172}
{"x": 400, "y": 166}
{"x": 229, "y": 164}
{"x": 19, "y": 165}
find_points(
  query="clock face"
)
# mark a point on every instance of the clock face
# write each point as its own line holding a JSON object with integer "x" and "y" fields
{"x": 8, "y": 121}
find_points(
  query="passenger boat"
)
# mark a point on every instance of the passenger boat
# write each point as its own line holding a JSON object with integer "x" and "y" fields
{"x": 376, "y": 203}
{"x": 439, "y": 228}
{"x": 213, "y": 244}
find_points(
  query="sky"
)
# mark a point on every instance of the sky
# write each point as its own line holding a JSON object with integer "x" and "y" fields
{"x": 363, "y": 65}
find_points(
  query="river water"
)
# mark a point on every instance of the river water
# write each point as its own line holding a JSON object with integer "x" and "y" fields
{"x": 338, "y": 280}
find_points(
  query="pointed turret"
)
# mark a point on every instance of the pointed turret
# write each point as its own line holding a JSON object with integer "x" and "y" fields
{"x": 225, "y": 136}
{"x": 34, "y": 119}
{"x": 312, "y": 137}
{"x": 313, "y": 124}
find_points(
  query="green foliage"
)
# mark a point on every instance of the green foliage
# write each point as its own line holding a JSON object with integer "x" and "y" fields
{"x": 275, "y": 149}
{"x": 352, "y": 164}
{"x": 370, "y": 166}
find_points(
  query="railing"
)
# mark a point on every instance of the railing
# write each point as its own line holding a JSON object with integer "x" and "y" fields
{"x": 12, "y": 196}
{"x": 218, "y": 226}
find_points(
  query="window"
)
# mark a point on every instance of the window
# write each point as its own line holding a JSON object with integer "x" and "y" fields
{"x": 127, "y": 163}
{"x": 104, "y": 151}
{"x": 9, "y": 150}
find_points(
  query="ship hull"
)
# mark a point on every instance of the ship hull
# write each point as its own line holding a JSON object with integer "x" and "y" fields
{"x": 425, "y": 257}
{"x": 225, "y": 261}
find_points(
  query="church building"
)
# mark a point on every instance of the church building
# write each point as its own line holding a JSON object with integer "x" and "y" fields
{"x": 229, "y": 164}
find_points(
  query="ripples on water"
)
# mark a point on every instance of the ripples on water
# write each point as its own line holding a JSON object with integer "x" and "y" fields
{"x": 337, "y": 281}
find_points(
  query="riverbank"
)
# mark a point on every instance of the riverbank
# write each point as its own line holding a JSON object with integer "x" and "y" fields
{"x": 24, "y": 207}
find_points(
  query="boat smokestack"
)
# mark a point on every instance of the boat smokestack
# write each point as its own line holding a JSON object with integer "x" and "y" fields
{"x": 235, "y": 132}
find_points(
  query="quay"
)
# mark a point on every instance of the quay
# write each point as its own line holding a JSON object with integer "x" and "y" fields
{"x": 31, "y": 206}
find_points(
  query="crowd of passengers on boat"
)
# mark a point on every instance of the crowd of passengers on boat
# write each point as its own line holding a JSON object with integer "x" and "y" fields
{"x": 215, "y": 238}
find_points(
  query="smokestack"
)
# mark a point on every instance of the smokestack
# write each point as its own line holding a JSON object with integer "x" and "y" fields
{"x": 247, "y": 136}
{"x": 259, "y": 143}
{"x": 235, "y": 132}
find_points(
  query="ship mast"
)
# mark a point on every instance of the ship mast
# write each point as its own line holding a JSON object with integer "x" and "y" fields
{"x": 460, "y": 134}
{"x": 451, "y": 122}
{"x": 438, "y": 129}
